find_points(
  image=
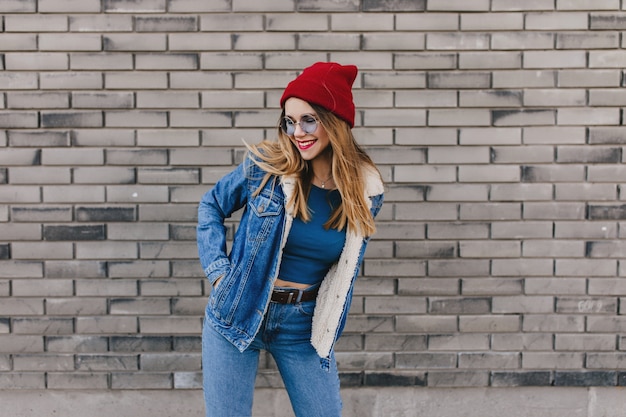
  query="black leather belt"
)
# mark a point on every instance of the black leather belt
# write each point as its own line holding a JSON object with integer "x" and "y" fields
{"x": 293, "y": 296}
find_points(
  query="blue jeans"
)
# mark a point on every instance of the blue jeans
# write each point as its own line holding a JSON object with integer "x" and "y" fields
{"x": 229, "y": 375}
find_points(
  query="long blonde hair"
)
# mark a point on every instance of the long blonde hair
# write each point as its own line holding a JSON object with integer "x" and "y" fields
{"x": 281, "y": 157}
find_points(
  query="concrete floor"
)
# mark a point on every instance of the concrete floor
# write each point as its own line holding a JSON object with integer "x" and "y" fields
{"x": 358, "y": 402}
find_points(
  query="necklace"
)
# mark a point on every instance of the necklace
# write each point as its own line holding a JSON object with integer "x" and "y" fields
{"x": 323, "y": 181}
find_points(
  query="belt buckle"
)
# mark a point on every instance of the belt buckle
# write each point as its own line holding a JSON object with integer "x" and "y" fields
{"x": 291, "y": 300}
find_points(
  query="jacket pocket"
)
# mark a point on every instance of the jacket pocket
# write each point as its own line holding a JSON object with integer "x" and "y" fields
{"x": 264, "y": 210}
{"x": 220, "y": 293}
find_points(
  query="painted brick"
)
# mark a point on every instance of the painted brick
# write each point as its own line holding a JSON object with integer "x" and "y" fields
{"x": 554, "y": 97}
{"x": 484, "y": 211}
{"x": 459, "y": 80}
{"x": 52, "y": 119}
{"x": 178, "y": 6}
{"x": 100, "y": 23}
{"x": 72, "y": 157}
{"x": 138, "y": 80}
{"x": 41, "y": 61}
{"x": 556, "y": 135}
{"x": 598, "y": 192}
{"x": 22, "y": 380}
{"x": 18, "y": 81}
{"x": 75, "y": 307}
{"x": 425, "y": 360}
{"x": 492, "y": 22}
{"x": 69, "y": 6}
{"x": 35, "y": 23}
{"x": 504, "y": 323}
{"x": 595, "y": 78}
{"x": 346, "y": 42}
{"x": 554, "y": 59}
{"x": 22, "y": 194}
{"x": 103, "y": 137}
{"x": 20, "y": 157}
{"x": 34, "y": 362}
{"x": 443, "y": 379}
{"x": 496, "y": 249}
{"x": 606, "y": 98}
{"x": 18, "y": 42}
{"x": 454, "y": 41}
{"x": 148, "y": 99}
{"x": 102, "y": 100}
{"x": 70, "y": 42}
{"x": 101, "y": 61}
{"x": 239, "y": 22}
{"x": 496, "y": 60}
{"x": 39, "y": 250}
{"x": 135, "y": 119}
{"x": 196, "y": 41}
{"x": 427, "y": 174}
{"x": 174, "y": 61}
{"x": 557, "y": 21}
{"x": 41, "y": 213}
{"x": 604, "y": 21}
{"x": 75, "y": 269}
{"x": 40, "y": 175}
{"x": 19, "y": 119}
{"x": 587, "y": 5}
{"x": 72, "y": 233}
{"x": 42, "y": 326}
{"x": 521, "y": 379}
{"x": 365, "y": 22}
{"x": 460, "y": 117}
{"x": 587, "y": 41}
{"x": 136, "y": 42}
{"x": 291, "y": 61}
{"x": 552, "y": 173}
{"x": 22, "y": 307}
{"x": 166, "y": 23}
{"x": 603, "y": 174}
{"x": 584, "y": 379}
{"x": 491, "y": 136}
{"x": 489, "y": 174}
{"x": 458, "y": 5}
{"x": 575, "y": 116}
{"x": 126, "y": 6}
{"x": 546, "y": 211}
{"x": 522, "y": 40}
{"x": 113, "y": 213}
{"x": 523, "y": 117}
{"x": 530, "y": 342}
{"x": 19, "y": 6}
{"x": 71, "y": 80}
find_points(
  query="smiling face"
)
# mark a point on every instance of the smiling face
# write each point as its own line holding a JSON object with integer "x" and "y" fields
{"x": 311, "y": 145}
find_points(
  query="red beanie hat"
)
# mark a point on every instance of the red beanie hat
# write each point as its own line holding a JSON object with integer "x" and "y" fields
{"x": 326, "y": 84}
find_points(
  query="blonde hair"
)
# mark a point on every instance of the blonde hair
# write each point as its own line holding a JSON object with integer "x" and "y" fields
{"x": 281, "y": 157}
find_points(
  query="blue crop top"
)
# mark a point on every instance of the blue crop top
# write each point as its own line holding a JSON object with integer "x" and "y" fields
{"x": 310, "y": 249}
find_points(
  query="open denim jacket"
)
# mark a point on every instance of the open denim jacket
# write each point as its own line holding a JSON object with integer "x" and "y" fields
{"x": 237, "y": 305}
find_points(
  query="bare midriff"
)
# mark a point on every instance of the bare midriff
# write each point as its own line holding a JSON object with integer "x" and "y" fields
{"x": 289, "y": 284}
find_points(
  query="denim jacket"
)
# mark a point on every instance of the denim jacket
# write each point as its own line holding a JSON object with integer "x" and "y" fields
{"x": 238, "y": 303}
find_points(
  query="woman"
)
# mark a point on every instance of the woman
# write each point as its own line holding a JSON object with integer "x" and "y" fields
{"x": 309, "y": 202}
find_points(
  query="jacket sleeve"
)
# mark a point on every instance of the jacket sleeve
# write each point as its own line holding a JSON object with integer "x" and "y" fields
{"x": 228, "y": 195}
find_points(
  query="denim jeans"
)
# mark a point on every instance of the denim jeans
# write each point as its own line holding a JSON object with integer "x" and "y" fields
{"x": 229, "y": 375}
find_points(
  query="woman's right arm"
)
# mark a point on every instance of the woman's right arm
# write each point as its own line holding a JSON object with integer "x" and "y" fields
{"x": 227, "y": 196}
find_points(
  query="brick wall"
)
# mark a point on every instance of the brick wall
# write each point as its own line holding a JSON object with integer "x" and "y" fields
{"x": 497, "y": 125}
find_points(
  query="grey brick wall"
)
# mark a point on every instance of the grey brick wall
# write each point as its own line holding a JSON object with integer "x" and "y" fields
{"x": 497, "y": 125}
